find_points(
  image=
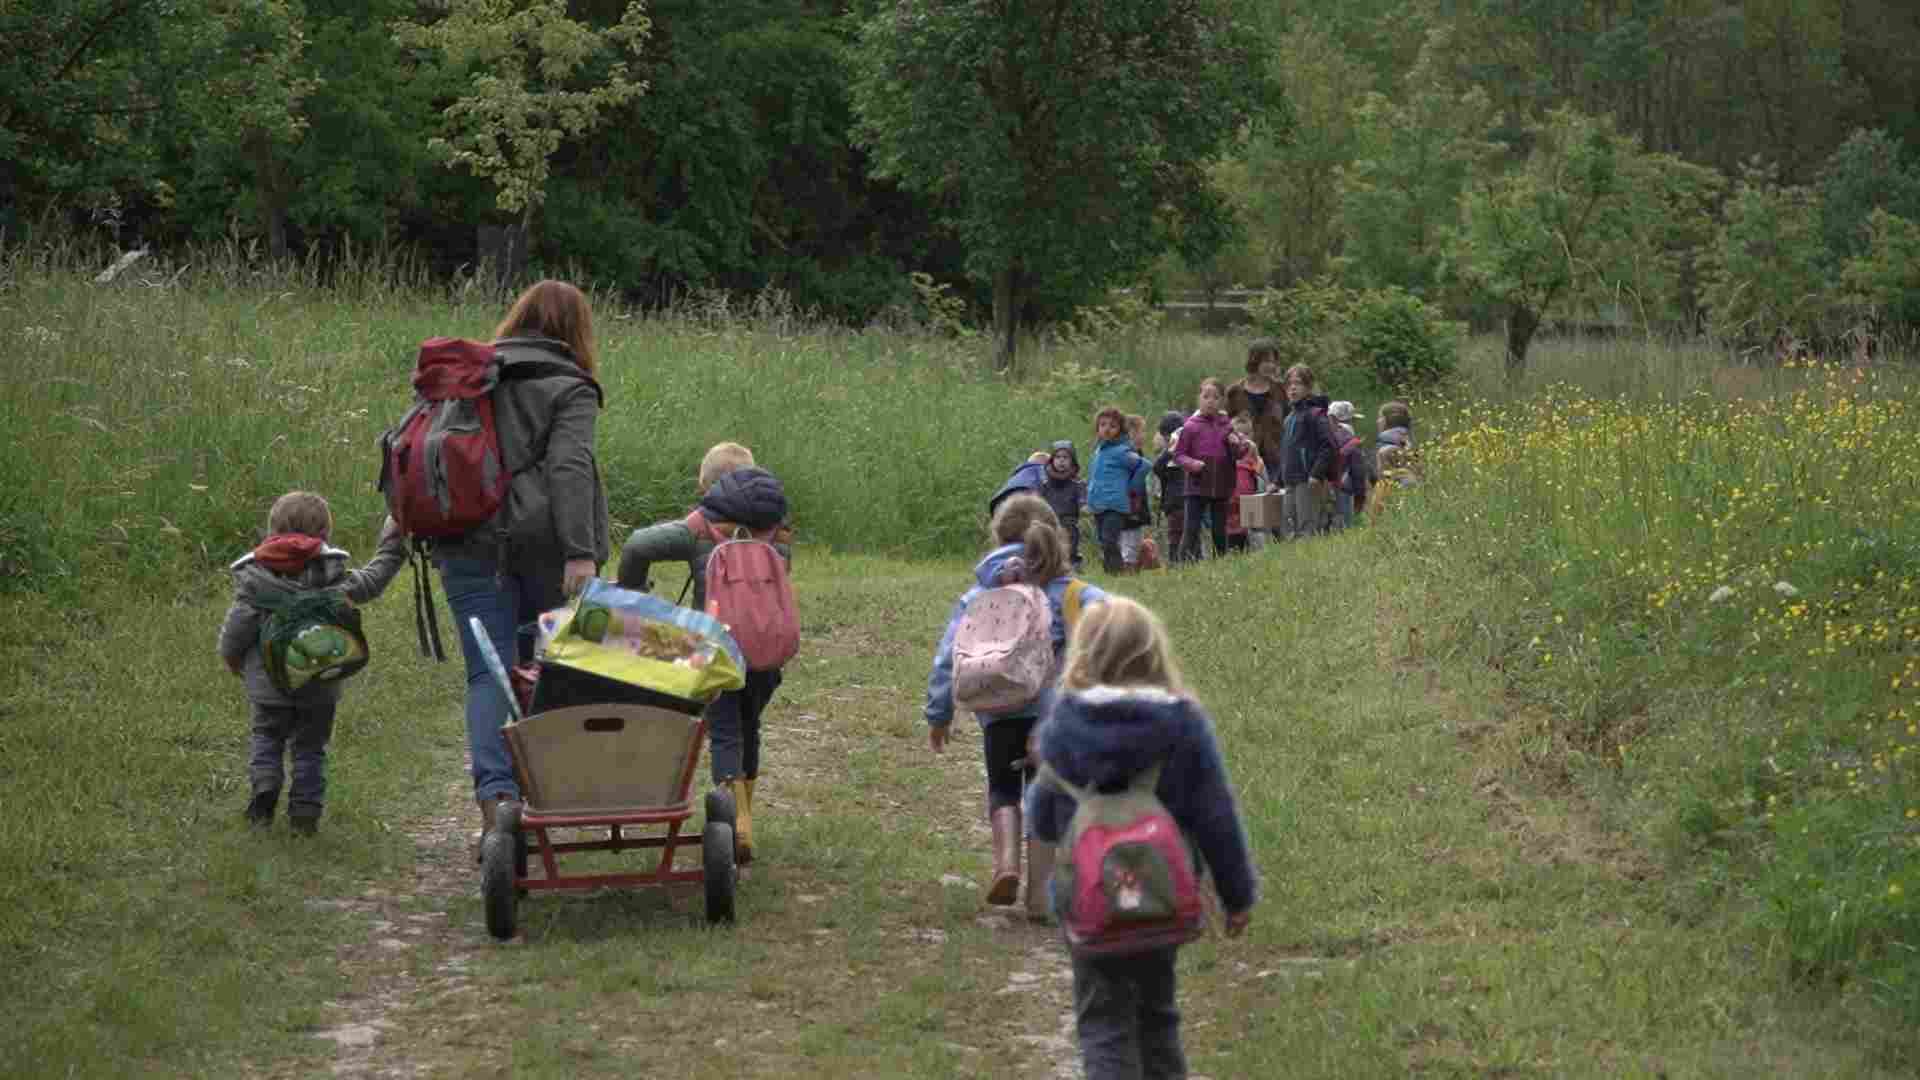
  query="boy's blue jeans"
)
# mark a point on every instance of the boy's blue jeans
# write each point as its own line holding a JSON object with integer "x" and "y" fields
{"x": 733, "y": 727}
{"x": 502, "y": 601}
{"x": 1126, "y": 1017}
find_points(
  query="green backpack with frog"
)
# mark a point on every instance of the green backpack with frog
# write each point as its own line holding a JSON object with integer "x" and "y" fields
{"x": 310, "y": 638}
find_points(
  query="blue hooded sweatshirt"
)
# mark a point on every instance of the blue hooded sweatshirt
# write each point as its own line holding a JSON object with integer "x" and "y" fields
{"x": 1115, "y": 470}
{"x": 1105, "y": 735}
{"x": 1029, "y": 476}
{"x": 1002, "y": 566}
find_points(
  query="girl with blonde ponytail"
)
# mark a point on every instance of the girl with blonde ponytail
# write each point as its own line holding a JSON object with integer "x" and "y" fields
{"x": 1029, "y": 548}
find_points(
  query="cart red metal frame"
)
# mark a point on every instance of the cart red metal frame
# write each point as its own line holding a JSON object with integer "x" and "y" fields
{"x": 632, "y": 824}
{"x": 671, "y": 816}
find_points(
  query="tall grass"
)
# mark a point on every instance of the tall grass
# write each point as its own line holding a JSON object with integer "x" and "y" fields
{"x": 1715, "y": 604}
{"x": 155, "y": 419}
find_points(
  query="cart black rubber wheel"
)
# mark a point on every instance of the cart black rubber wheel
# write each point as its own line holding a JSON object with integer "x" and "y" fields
{"x": 497, "y": 891}
{"x": 716, "y": 867}
{"x": 507, "y": 820}
{"x": 720, "y": 807}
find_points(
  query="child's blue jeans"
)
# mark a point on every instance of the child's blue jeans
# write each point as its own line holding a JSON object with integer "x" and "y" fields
{"x": 733, "y": 727}
{"x": 1126, "y": 1017}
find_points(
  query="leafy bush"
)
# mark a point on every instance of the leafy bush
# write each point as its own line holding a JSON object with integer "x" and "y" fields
{"x": 1765, "y": 271}
{"x": 1885, "y": 278}
{"x": 1389, "y": 335}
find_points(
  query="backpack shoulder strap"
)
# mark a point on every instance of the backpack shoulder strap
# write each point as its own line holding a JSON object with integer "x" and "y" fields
{"x": 1071, "y": 603}
{"x": 1148, "y": 779}
{"x": 1045, "y": 775}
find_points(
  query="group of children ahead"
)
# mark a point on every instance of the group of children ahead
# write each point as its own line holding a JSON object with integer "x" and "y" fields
{"x": 1268, "y": 431}
{"x": 1114, "y": 717}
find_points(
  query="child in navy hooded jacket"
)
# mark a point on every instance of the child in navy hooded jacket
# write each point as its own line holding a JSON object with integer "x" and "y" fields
{"x": 1029, "y": 550}
{"x": 1121, "y": 709}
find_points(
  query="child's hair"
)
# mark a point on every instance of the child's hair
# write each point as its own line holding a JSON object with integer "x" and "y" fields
{"x": 1136, "y": 428}
{"x": 1120, "y": 643}
{"x": 1027, "y": 519}
{"x": 300, "y": 512}
{"x": 722, "y": 459}
{"x": 1259, "y": 351}
{"x": 557, "y": 310}
{"x": 1396, "y": 414}
{"x": 1303, "y": 373}
{"x": 1109, "y": 413}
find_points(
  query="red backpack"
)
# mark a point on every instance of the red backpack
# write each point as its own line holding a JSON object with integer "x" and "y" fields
{"x": 1343, "y": 458}
{"x": 443, "y": 469}
{"x": 747, "y": 590}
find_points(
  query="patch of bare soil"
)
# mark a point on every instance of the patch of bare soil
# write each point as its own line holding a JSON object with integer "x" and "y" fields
{"x": 409, "y": 962}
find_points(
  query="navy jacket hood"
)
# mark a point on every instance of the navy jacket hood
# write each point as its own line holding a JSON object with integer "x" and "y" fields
{"x": 751, "y": 496}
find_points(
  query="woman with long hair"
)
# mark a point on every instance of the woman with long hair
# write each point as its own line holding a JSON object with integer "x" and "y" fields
{"x": 550, "y": 536}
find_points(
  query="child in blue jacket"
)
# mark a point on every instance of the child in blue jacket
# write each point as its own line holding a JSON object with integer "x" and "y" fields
{"x": 1029, "y": 548}
{"x": 1117, "y": 469}
{"x": 1122, "y": 708}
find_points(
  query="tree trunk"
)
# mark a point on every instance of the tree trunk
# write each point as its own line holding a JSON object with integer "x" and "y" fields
{"x": 273, "y": 188}
{"x": 1522, "y": 321}
{"x": 1006, "y": 314}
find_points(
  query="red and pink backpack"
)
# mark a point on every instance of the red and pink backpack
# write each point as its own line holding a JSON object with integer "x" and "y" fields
{"x": 1126, "y": 880}
{"x": 748, "y": 590}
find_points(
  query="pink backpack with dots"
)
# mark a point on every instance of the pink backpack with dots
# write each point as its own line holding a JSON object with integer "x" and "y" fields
{"x": 1003, "y": 649}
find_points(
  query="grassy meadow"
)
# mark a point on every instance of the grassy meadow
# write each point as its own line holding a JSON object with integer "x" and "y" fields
{"x": 1545, "y": 773}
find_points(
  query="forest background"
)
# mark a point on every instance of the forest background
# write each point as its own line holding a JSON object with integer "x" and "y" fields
{"x": 1745, "y": 169}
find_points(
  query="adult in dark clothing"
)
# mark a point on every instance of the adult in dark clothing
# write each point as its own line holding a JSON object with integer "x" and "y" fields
{"x": 550, "y": 536}
{"x": 1262, "y": 399}
{"x": 1307, "y": 452}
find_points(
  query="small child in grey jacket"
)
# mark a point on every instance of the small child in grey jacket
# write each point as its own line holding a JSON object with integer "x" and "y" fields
{"x": 294, "y": 558}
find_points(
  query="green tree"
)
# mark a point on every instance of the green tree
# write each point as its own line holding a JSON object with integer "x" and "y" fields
{"x": 1868, "y": 172}
{"x": 251, "y": 104}
{"x": 1765, "y": 273}
{"x": 1413, "y": 157}
{"x": 533, "y": 85}
{"x": 1067, "y": 136}
{"x": 1884, "y": 279}
{"x": 1586, "y": 217}
{"x": 1283, "y": 182}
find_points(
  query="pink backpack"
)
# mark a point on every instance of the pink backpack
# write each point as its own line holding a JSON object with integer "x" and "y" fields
{"x": 1003, "y": 649}
{"x": 1126, "y": 879}
{"x": 748, "y": 590}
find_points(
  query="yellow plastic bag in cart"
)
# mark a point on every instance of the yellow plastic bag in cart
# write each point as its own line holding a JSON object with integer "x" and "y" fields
{"x": 642, "y": 640}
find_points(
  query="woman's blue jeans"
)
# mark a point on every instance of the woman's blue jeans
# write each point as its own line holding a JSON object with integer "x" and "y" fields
{"x": 502, "y": 602}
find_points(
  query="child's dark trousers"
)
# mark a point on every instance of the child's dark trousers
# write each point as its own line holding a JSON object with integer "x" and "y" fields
{"x": 1214, "y": 511}
{"x": 305, "y": 728}
{"x": 1124, "y": 1011}
{"x": 1111, "y": 524}
{"x": 733, "y": 727}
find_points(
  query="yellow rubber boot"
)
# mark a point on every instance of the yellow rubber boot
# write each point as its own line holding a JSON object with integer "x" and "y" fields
{"x": 743, "y": 820}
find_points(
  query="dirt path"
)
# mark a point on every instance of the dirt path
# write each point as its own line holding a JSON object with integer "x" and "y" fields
{"x": 425, "y": 982}
{"x": 411, "y": 965}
